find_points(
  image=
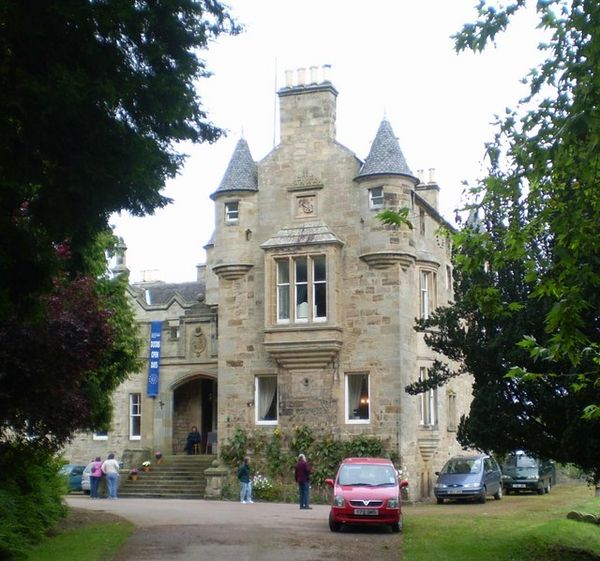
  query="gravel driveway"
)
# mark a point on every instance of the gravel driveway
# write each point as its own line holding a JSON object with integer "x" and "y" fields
{"x": 191, "y": 530}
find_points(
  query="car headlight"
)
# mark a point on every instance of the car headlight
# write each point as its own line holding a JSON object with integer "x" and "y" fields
{"x": 339, "y": 501}
{"x": 440, "y": 486}
{"x": 392, "y": 503}
{"x": 470, "y": 485}
{"x": 532, "y": 477}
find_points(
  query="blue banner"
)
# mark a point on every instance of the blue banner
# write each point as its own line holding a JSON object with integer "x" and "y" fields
{"x": 154, "y": 360}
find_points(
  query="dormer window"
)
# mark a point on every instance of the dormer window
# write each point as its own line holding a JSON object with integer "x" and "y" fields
{"x": 232, "y": 211}
{"x": 376, "y": 198}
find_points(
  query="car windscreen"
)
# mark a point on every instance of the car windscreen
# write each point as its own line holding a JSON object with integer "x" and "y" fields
{"x": 520, "y": 461}
{"x": 367, "y": 475}
{"x": 462, "y": 466}
{"x": 519, "y": 465}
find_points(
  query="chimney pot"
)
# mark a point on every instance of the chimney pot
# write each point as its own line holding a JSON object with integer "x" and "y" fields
{"x": 327, "y": 73}
{"x": 289, "y": 78}
{"x": 431, "y": 175}
{"x": 301, "y": 76}
{"x": 314, "y": 74}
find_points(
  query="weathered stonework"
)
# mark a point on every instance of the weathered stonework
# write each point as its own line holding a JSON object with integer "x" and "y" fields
{"x": 310, "y": 200}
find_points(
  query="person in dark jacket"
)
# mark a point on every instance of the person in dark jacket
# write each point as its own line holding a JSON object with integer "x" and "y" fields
{"x": 302, "y": 476}
{"x": 245, "y": 483}
{"x": 193, "y": 438}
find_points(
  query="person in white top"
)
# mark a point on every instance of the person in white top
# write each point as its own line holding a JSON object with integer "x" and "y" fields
{"x": 110, "y": 468}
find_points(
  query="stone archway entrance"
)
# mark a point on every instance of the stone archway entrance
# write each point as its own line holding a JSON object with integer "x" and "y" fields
{"x": 194, "y": 404}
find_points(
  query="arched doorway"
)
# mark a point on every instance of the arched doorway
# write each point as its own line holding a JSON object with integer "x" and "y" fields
{"x": 194, "y": 404}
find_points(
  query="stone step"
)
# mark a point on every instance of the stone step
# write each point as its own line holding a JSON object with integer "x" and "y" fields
{"x": 174, "y": 477}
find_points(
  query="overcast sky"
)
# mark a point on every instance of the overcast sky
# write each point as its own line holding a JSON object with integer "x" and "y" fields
{"x": 387, "y": 57}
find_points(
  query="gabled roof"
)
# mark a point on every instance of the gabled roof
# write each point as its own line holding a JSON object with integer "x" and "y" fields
{"x": 240, "y": 174}
{"x": 161, "y": 293}
{"x": 385, "y": 156}
{"x": 310, "y": 233}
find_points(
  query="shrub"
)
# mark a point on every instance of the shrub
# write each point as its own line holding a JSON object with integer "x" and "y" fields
{"x": 31, "y": 491}
{"x": 276, "y": 456}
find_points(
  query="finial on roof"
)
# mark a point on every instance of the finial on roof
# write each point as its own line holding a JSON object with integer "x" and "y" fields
{"x": 240, "y": 174}
{"x": 385, "y": 156}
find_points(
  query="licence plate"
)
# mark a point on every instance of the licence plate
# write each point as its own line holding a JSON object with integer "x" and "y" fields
{"x": 366, "y": 512}
{"x": 454, "y": 491}
{"x": 519, "y": 485}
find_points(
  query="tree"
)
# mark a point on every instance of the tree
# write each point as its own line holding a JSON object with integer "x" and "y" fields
{"x": 94, "y": 97}
{"x": 525, "y": 323}
{"x": 60, "y": 368}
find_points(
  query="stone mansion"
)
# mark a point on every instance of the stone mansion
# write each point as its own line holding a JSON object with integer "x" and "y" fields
{"x": 304, "y": 312}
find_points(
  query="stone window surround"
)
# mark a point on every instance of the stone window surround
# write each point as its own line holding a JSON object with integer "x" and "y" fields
{"x": 232, "y": 211}
{"x": 376, "y": 202}
{"x": 257, "y": 400}
{"x": 331, "y": 262}
{"x": 347, "y": 419}
{"x": 135, "y": 412}
{"x": 427, "y": 282}
{"x": 427, "y": 404}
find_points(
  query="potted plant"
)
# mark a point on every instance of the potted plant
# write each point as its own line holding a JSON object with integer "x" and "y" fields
{"x": 146, "y": 465}
{"x": 133, "y": 474}
{"x": 158, "y": 456}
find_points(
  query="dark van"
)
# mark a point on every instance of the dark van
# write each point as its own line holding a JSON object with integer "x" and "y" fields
{"x": 521, "y": 472}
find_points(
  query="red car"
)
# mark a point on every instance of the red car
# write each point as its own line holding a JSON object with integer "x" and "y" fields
{"x": 366, "y": 491}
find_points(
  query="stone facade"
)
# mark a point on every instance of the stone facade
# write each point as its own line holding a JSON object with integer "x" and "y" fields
{"x": 305, "y": 310}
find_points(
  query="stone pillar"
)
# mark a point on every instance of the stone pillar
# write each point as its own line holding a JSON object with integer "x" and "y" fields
{"x": 215, "y": 478}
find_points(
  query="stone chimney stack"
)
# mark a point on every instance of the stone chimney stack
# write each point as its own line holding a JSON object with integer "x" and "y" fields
{"x": 307, "y": 109}
{"x": 429, "y": 190}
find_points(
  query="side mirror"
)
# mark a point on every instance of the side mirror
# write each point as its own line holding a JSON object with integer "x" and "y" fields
{"x": 437, "y": 472}
{"x": 403, "y": 483}
{"x": 329, "y": 482}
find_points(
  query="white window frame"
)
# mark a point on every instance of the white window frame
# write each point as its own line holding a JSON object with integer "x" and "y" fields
{"x": 376, "y": 198}
{"x": 427, "y": 293}
{"x": 428, "y": 403}
{"x": 135, "y": 412}
{"x": 102, "y": 435}
{"x": 452, "y": 412}
{"x": 349, "y": 408}
{"x": 257, "y": 400}
{"x": 291, "y": 289}
{"x": 232, "y": 211}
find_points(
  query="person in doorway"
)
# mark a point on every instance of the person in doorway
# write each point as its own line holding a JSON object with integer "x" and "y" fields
{"x": 193, "y": 441}
{"x": 95, "y": 477}
{"x": 110, "y": 468}
{"x": 302, "y": 477}
{"x": 245, "y": 483}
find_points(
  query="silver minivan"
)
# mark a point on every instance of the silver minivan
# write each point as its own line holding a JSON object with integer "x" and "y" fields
{"x": 471, "y": 477}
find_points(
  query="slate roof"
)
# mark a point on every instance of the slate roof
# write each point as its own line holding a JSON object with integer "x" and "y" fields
{"x": 240, "y": 174}
{"x": 308, "y": 233}
{"x": 161, "y": 293}
{"x": 385, "y": 156}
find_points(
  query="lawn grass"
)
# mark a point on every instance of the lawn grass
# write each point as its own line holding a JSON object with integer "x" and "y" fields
{"x": 93, "y": 542}
{"x": 518, "y": 528}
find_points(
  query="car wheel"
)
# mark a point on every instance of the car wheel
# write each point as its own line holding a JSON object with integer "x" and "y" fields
{"x": 498, "y": 494}
{"x": 333, "y": 525}
{"x": 440, "y": 501}
{"x": 396, "y": 527}
{"x": 540, "y": 490}
{"x": 86, "y": 492}
{"x": 483, "y": 496}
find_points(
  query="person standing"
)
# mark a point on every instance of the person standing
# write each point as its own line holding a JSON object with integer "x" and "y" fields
{"x": 110, "y": 468}
{"x": 245, "y": 483}
{"x": 302, "y": 477}
{"x": 95, "y": 477}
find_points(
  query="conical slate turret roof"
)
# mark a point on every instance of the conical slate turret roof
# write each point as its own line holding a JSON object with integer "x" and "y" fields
{"x": 385, "y": 156}
{"x": 241, "y": 171}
